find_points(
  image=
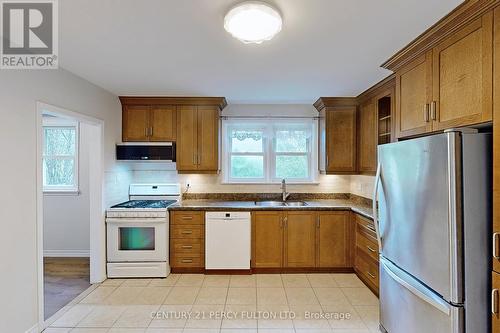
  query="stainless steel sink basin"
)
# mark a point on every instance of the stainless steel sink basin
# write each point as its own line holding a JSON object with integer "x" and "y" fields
{"x": 296, "y": 203}
{"x": 270, "y": 203}
{"x": 281, "y": 203}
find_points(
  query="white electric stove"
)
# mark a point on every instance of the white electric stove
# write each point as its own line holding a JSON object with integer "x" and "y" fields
{"x": 137, "y": 232}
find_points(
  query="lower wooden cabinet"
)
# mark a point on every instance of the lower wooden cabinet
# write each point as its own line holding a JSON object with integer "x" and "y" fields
{"x": 267, "y": 239}
{"x": 187, "y": 241}
{"x": 495, "y": 306}
{"x": 366, "y": 260}
{"x": 301, "y": 239}
{"x": 333, "y": 239}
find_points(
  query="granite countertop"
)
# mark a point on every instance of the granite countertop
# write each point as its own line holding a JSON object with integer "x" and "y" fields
{"x": 317, "y": 204}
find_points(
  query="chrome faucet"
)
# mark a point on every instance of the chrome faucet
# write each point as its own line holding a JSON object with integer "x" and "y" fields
{"x": 284, "y": 193}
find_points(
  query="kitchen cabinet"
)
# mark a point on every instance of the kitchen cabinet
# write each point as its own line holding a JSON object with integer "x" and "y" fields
{"x": 450, "y": 85}
{"x": 496, "y": 144}
{"x": 198, "y": 139}
{"x": 413, "y": 95}
{"x": 267, "y": 239}
{"x": 148, "y": 123}
{"x": 333, "y": 239}
{"x": 337, "y": 135}
{"x": 366, "y": 252}
{"x": 300, "y": 239}
{"x": 495, "y": 300}
{"x": 367, "y": 143}
{"x": 187, "y": 241}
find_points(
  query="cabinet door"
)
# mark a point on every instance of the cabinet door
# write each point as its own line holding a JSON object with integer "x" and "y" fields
{"x": 367, "y": 144}
{"x": 495, "y": 320}
{"x": 135, "y": 123}
{"x": 341, "y": 140}
{"x": 496, "y": 142}
{"x": 300, "y": 239}
{"x": 334, "y": 239}
{"x": 187, "y": 138}
{"x": 413, "y": 95}
{"x": 267, "y": 239}
{"x": 208, "y": 139}
{"x": 462, "y": 76}
{"x": 163, "y": 123}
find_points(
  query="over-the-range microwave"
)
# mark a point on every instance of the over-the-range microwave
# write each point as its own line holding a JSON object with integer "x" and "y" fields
{"x": 146, "y": 151}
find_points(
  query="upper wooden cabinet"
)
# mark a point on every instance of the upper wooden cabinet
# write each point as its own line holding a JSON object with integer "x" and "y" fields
{"x": 198, "y": 139}
{"x": 413, "y": 95}
{"x": 444, "y": 77}
{"x": 367, "y": 143}
{"x": 144, "y": 119}
{"x": 191, "y": 122}
{"x": 337, "y": 135}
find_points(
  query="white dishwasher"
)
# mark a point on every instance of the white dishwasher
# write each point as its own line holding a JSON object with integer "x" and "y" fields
{"x": 227, "y": 240}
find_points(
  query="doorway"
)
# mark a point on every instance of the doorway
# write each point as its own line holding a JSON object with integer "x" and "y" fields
{"x": 69, "y": 206}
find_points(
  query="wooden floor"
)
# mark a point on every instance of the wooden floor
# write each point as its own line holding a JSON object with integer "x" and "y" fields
{"x": 64, "y": 279}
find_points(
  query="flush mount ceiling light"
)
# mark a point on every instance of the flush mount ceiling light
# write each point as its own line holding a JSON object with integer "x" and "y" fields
{"x": 253, "y": 22}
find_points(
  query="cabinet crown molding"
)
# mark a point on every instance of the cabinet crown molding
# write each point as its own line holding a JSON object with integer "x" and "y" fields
{"x": 465, "y": 13}
{"x": 335, "y": 102}
{"x": 220, "y": 102}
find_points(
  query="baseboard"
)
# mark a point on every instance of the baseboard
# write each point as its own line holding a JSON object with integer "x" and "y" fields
{"x": 67, "y": 253}
{"x": 34, "y": 329}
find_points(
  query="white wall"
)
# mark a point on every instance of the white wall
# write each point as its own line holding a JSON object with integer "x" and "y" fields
{"x": 19, "y": 92}
{"x": 66, "y": 217}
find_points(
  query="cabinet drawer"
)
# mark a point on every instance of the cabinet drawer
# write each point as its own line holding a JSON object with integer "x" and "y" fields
{"x": 365, "y": 225}
{"x": 187, "y": 246}
{"x": 189, "y": 231}
{"x": 187, "y": 261}
{"x": 367, "y": 245}
{"x": 368, "y": 269}
{"x": 187, "y": 218}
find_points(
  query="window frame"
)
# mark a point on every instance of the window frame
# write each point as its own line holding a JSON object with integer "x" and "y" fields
{"x": 269, "y": 149}
{"x": 48, "y": 122}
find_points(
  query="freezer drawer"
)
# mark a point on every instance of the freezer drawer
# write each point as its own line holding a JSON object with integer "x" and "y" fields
{"x": 410, "y": 307}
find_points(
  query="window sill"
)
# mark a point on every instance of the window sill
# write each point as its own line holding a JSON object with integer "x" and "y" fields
{"x": 269, "y": 183}
{"x": 62, "y": 192}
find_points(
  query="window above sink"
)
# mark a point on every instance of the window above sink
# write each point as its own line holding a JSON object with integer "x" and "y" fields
{"x": 267, "y": 151}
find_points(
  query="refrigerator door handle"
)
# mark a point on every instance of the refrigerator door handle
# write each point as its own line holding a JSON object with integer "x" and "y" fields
{"x": 375, "y": 209}
{"x": 418, "y": 291}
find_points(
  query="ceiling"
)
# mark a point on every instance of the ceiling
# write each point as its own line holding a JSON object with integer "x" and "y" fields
{"x": 179, "y": 47}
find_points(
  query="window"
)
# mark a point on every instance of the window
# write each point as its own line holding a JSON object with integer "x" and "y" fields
{"x": 60, "y": 156}
{"x": 268, "y": 151}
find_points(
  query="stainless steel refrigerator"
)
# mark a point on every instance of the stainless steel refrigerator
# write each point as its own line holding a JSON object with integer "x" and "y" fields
{"x": 434, "y": 217}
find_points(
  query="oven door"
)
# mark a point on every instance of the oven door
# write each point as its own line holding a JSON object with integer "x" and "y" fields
{"x": 136, "y": 239}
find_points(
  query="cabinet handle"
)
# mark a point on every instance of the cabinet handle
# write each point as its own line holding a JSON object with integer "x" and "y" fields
{"x": 433, "y": 110}
{"x": 194, "y": 158}
{"x": 151, "y": 131}
{"x": 281, "y": 222}
{"x": 494, "y": 301}
{"x": 317, "y": 223}
{"x": 187, "y": 246}
{"x": 187, "y": 217}
{"x": 146, "y": 132}
{"x": 187, "y": 232}
{"x": 496, "y": 245}
{"x": 426, "y": 112}
{"x": 371, "y": 275}
{"x": 198, "y": 159}
{"x": 187, "y": 261}
{"x": 369, "y": 248}
{"x": 285, "y": 220}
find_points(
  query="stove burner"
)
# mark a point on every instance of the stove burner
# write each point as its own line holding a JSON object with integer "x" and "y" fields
{"x": 145, "y": 204}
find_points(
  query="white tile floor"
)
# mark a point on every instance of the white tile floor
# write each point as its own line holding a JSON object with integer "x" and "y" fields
{"x": 338, "y": 303}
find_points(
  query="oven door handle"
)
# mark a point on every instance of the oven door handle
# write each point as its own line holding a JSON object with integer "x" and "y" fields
{"x": 136, "y": 220}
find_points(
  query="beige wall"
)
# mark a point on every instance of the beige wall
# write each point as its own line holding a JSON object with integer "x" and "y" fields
{"x": 19, "y": 92}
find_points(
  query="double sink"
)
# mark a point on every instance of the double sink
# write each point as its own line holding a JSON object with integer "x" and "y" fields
{"x": 281, "y": 203}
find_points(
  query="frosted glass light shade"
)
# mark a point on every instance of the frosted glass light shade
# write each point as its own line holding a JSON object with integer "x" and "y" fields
{"x": 253, "y": 22}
